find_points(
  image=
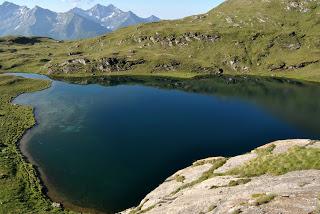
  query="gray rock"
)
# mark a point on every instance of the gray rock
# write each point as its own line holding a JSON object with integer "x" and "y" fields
{"x": 289, "y": 196}
{"x": 56, "y": 205}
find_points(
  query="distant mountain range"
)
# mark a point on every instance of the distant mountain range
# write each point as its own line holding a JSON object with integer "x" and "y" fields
{"x": 74, "y": 24}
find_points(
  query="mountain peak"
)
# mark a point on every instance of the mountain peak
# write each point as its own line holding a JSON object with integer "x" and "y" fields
{"x": 76, "y": 10}
{"x": 38, "y": 8}
{"x": 103, "y": 8}
{"x": 100, "y": 11}
{"x": 39, "y": 21}
{"x": 9, "y": 4}
{"x": 153, "y": 18}
{"x": 111, "y": 6}
{"x": 98, "y": 6}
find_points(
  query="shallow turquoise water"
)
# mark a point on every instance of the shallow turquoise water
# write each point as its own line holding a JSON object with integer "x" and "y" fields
{"x": 107, "y": 147}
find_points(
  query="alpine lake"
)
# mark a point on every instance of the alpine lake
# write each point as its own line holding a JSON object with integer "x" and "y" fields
{"x": 103, "y": 143}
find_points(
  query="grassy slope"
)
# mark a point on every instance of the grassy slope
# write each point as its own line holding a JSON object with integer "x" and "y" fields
{"x": 297, "y": 158}
{"x": 20, "y": 189}
{"x": 255, "y": 34}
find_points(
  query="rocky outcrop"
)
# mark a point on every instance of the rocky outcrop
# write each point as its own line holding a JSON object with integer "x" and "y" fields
{"x": 69, "y": 66}
{"x": 117, "y": 64}
{"x": 108, "y": 64}
{"x": 191, "y": 190}
{"x": 170, "y": 66}
{"x": 289, "y": 41}
{"x": 74, "y": 53}
{"x": 82, "y": 61}
{"x": 237, "y": 63}
{"x": 177, "y": 40}
{"x": 207, "y": 70}
{"x": 300, "y": 6}
{"x": 283, "y": 66}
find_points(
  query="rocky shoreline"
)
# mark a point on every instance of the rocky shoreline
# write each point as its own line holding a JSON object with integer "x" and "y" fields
{"x": 206, "y": 187}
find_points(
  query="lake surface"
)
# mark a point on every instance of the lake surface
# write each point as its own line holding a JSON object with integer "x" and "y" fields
{"x": 106, "y": 147}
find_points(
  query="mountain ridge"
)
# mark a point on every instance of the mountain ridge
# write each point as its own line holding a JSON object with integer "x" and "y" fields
{"x": 112, "y": 17}
{"x": 21, "y": 20}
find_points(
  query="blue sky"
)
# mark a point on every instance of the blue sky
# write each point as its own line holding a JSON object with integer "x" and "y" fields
{"x": 165, "y": 9}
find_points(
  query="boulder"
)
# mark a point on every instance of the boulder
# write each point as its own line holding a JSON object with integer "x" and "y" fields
{"x": 180, "y": 40}
{"x": 112, "y": 64}
{"x": 56, "y": 205}
{"x": 170, "y": 66}
{"x": 74, "y": 53}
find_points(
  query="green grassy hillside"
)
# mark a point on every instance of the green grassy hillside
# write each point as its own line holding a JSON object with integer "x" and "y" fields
{"x": 272, "y": 38}
{"x": 20, "y": 188}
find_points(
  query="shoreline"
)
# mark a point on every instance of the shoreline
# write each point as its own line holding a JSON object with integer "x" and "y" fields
{"x": 166, "y": 75}
{"x": 48, "y": 189}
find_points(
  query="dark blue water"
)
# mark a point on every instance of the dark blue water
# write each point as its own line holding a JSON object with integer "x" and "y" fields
{"x": 107, "y": 147}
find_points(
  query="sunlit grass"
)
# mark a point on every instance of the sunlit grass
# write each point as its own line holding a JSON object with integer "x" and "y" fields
{"x": 297, "y": 158}
{"x": 20, "y": 189}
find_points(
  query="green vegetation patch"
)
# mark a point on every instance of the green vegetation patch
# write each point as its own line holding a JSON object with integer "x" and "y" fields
{"x": 317, "y": 210}
{"x": 233, "y": 183}
{"x": 263, "y": 198}
{"x": 216, "y": 163}
{"x": 265, "y": 151}
{"x": 297, "y": 158}
{"x": 239, "y": 182}
{"x": 179, "y": 178}
{"x": 205, "y": 161}
{"x": 139, "y": 210}
{"x": 211, "y": 208}
{"x": 20, "y": 188}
